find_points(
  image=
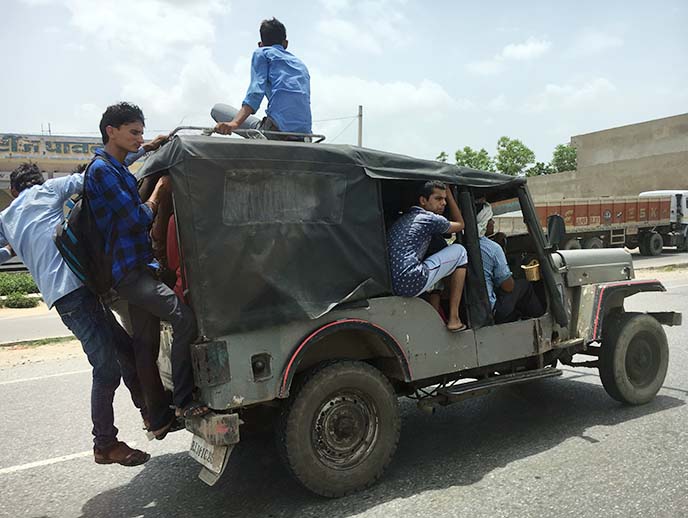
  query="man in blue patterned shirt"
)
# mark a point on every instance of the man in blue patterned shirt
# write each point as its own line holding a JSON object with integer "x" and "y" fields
{"x": 124, "y": 222}
{"x": 282, "y": 78}
{"x": 408, "y": 240}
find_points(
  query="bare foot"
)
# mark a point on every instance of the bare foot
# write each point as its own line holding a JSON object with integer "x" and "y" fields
{"x": 455, "y": 325}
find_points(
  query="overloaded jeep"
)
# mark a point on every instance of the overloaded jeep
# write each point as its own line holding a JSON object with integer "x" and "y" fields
{"x": 285, "y": 258}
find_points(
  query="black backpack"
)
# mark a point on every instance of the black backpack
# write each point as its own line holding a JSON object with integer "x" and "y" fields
{"x": 81, "y": 244}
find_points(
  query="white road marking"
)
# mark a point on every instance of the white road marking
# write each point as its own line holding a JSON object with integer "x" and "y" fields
{"x": 47, "y": 462}
{"x": 10, "y": 382}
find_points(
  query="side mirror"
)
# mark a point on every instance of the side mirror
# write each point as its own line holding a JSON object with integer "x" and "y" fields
{"x": 556, "y": 230}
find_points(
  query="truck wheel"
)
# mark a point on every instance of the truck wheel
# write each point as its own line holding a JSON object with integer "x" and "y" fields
{"x": 655, "y": 244}
{"x": 339, "y": 428}
{"x": 571, "y": 244}
{"x": 634, "y": 358}
{"x": 593, "y": 243}
{"x": 642, "y": 245}
{"x": 683, "y": 247}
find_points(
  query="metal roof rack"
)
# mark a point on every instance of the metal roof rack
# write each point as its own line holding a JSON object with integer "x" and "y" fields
{"x": 259, "y": 134}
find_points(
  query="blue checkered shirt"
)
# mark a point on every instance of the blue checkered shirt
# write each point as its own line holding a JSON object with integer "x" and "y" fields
{"x": 122, "y": 218}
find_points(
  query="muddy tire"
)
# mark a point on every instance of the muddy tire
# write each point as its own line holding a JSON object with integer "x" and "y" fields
{"x": 339, "y": 428}
{"x": 633, "y": 358}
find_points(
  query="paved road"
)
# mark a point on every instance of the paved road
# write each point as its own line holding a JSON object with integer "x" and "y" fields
{"x": 669, "y": 256}
{"x": 20, "y": 327}
{"x": 552, "y": 448}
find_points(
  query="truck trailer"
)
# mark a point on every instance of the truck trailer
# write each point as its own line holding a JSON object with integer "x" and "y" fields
{"x": 650, "y": 221}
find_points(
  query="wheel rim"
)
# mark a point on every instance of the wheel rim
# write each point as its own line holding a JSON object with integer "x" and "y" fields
{"x": 345, "y": 430}
{"x": 642, "y": 361}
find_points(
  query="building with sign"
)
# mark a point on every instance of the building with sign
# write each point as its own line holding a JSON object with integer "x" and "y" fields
{"x": 55, "y": 155}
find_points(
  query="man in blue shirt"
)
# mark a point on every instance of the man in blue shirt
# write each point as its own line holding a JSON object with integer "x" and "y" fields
{"x": 408, "y": 240}
{"x": 27, "y": 227}
{"x": 282, "y": 78}
{"x": 124, "y": 222}
{"x": 510, "y": 298}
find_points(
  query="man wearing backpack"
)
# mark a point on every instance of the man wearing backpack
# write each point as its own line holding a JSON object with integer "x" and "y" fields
{"x": 124, "y": 222}
{"x": 27, "y": 227}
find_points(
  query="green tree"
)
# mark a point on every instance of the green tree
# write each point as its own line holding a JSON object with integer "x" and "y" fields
{"x": 468, "y": 157}
{"x": 442, "y": 157}
{"x": 513, "y": 156}
{"x": 540, "y": 168}
{"x": 564, "y": 158}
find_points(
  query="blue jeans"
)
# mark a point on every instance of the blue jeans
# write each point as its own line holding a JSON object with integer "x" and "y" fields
{"x": 110, "y": 353}
{"x": 149, "y": 302}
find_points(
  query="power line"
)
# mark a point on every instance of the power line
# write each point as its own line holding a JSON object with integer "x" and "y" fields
{"x": 337, "y": 119}
{"x": 345, "y": 128}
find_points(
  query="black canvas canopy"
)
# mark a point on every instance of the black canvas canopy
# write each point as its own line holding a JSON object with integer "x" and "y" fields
{"x": 272, "y": 232}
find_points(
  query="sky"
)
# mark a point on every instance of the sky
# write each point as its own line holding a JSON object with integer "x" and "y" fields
{"x": 431, "y": 76}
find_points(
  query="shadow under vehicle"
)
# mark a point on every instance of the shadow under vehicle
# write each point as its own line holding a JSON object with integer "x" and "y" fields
{"x": 285, "y": 254}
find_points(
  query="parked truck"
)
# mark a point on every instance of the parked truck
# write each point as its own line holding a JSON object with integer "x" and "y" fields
{"x": 650, "y": 221}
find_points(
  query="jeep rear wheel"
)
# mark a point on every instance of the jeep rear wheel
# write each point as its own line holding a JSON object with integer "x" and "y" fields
{"x": 340, "y": 428}
{"x": 634, "y": 358}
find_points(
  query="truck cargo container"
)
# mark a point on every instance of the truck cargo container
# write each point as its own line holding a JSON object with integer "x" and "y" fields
{"x": 650, "y": 221}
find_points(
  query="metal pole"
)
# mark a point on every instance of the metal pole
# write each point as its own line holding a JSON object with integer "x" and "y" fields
{"x": 360, "y": 125}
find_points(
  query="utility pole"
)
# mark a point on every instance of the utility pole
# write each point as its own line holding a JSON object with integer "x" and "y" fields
{"x": 360, "y": 125}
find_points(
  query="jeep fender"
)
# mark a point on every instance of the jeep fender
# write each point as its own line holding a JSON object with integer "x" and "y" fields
{"x": 611, "y": 295}
{"x": 318, "y": 335}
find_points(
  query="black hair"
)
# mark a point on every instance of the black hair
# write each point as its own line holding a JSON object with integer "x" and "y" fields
{"x": 26, "y": 175}
{"x": 118, "y": 114}
{"x": 426, "y": 189}
{"x": 81, "y": 168}
{"x": 272, "y": 32}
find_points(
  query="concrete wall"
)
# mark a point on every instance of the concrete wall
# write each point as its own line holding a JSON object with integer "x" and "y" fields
{"x": 623, "y": 161}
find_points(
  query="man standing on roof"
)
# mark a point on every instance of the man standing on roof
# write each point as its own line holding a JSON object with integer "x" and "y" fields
{"x": 282, "y": 78}
{"x": 124, "y": 222}
{"x": 408, "y": 241}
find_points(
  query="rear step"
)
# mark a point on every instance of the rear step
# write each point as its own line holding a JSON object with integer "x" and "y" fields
{"x": 456, "y": 393}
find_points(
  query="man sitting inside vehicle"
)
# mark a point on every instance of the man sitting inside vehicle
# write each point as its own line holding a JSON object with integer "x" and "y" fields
{"x": 408, "y": 241}
{"x": 510, "y": 298}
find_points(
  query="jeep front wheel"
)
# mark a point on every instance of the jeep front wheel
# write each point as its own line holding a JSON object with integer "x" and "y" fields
{"x": 339, "y": 428}
{"x": 633, "y": 358}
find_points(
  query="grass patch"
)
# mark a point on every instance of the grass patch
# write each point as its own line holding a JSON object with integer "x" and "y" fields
{"x": 673, "y": 268}
{"x": 20, "y": 300}
{"x": 17, "y": 283}
{"x": 42, "y": 341}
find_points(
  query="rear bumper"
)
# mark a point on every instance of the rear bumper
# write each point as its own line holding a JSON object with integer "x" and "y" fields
{"x": 216, "y": 429}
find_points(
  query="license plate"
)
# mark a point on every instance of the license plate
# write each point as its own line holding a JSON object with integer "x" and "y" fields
{"x": 209, "y": 455}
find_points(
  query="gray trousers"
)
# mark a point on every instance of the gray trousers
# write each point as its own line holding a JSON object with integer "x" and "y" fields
{"x": 150, "y": 301}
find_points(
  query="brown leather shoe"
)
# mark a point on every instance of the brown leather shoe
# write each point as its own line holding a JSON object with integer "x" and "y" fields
{"x": 120, "y": 453}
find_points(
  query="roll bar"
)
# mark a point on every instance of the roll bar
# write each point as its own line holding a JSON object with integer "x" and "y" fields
{"x": 256, "y": 134}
